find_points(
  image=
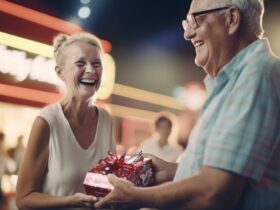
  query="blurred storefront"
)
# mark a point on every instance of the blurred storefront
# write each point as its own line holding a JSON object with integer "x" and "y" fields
{"x": 28, "y": 83}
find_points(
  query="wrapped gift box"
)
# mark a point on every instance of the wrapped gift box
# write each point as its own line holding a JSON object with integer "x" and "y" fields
{"x": 136, "y": 169}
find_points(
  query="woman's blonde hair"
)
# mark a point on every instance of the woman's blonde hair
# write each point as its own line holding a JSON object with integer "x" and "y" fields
{"x": 63, "y": 40}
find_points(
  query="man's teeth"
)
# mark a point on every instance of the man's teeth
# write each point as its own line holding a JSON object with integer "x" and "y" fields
{"x": 88, "y": 81}
{"x": 197, "y": 44}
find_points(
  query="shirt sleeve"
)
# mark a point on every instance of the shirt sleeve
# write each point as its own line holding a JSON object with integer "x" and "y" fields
{"x": 246, "y": 131}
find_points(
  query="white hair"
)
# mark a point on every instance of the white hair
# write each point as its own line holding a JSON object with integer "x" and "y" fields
{"x": 63, "y": 40}
{"x": 252, "y": 14}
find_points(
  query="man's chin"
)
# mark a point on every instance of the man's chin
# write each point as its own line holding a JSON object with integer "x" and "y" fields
{"x": 198, "y": 62}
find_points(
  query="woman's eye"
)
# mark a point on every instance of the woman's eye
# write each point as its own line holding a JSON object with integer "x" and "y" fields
{"x": 97, "y": 65}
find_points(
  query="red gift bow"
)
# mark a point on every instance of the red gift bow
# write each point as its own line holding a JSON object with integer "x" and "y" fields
{"x": 116, "y": 165}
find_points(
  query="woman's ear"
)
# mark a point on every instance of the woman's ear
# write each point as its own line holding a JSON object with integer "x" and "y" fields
{"x": 59, "y": 71}
{"x": 233, "y": 20}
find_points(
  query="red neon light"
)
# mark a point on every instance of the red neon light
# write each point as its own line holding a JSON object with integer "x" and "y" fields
{"x": 29, "y": 94}
{"x": 39, "y": 18}
{"x": 45, "y": 20}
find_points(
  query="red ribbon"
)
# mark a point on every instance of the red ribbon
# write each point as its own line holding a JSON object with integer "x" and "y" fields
{"x": 116, "y": 164}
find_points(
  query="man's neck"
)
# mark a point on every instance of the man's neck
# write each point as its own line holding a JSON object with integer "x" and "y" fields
{"x": 237, "y": 44}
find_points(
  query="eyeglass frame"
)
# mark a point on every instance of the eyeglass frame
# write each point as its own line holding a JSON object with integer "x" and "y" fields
{"x": 191, "y": 21}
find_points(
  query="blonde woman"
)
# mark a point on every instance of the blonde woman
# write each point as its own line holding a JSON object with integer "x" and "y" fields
{"x": 69, "y": 137}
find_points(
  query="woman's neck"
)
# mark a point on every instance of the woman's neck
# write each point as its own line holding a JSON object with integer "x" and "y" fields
{"x": 77, "y": 111}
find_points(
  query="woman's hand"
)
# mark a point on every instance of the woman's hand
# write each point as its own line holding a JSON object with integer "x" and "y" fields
{"x": 164, "y": 171}
{"x": 83, "y": 200}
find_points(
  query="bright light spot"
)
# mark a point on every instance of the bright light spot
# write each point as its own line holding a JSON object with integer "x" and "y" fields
{"x": 192, "y": 95}
{"x": 85, "y": 1}
{"x": 108, "y": 77}
{"x": 14, "y": 179}
{"x": 39, "y": 68}
{"x": 84, "y": 12}
{"x": 26, "y": 45}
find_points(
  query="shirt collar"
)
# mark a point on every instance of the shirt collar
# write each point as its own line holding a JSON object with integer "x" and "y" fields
{"x": 236, "y": 62}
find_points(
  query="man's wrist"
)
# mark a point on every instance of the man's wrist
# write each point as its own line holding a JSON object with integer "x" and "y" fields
{"x": 144, "y": 197}
{"x": 172, "y": 170}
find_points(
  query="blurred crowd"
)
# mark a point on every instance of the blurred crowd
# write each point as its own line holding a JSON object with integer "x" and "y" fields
{"x": 9, "y": 164}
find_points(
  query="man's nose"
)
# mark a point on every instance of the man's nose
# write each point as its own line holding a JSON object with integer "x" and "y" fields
{"x": 189, "y": 32}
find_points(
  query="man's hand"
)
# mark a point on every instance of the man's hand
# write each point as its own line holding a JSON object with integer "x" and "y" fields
{"x": 164, "y": 171}
{"x": 120, "y": 197}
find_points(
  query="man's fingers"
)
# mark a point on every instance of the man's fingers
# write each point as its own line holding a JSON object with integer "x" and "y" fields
{"x": 119, "y": 182}
{"x": 113, "y": 179}
{"x": 103, "y": 202}
{"x": 113, "y": 196}
{"x": 106, "y": 200}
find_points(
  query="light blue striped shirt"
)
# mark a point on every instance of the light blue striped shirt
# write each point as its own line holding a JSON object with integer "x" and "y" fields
{"x": 239, "y": 126}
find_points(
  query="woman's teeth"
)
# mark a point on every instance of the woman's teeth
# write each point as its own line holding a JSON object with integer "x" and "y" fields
{"x": 88, "y": 81}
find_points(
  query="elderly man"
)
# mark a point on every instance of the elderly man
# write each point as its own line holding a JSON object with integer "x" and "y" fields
{"x": 233, "y": 157}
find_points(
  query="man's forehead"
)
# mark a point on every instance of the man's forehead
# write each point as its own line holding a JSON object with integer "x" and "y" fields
{"x": 199, "y": 5}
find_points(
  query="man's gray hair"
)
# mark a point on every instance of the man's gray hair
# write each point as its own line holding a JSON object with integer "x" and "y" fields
{"x": 252, "y": 14}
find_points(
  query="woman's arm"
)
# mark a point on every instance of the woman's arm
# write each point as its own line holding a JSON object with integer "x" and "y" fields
{"x": 32, "y": 172}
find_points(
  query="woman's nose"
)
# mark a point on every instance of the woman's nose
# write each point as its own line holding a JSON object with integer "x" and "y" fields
{"x": 89, "y": 69}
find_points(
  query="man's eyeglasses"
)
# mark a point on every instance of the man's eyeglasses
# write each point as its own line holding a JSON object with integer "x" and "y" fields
{"x": 191, "y": 21}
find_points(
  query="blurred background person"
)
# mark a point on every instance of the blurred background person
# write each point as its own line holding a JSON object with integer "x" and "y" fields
{"x": 18, "y": 151}
{"x": 159, "y": 144}
{"x": 7, "y": 166}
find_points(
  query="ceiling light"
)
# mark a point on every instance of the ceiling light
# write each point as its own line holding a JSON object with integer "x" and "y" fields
{"x": 84, "y": 12}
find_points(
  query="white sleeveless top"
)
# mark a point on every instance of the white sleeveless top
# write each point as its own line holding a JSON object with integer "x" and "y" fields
{"x": 68, "y": 162}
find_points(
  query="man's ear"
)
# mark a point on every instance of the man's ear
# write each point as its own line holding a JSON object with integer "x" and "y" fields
{"x": 233, "y": 20}
{"x": 59, "y": 71}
